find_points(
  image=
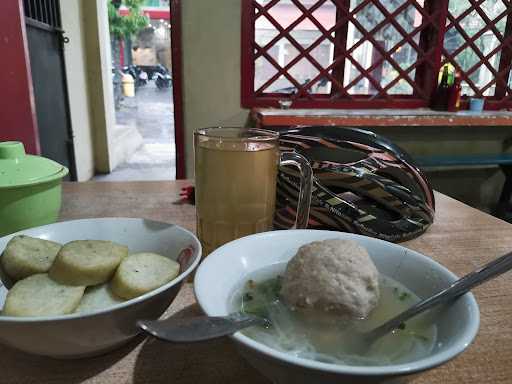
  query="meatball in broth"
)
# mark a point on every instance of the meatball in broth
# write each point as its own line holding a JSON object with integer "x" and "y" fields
{"x": 332, "y": 275}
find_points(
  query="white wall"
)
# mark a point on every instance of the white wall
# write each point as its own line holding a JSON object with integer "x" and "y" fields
{"x": 211, "y": 67}
{"x": 87, "y": 57}
{"x": 74, "y": 55}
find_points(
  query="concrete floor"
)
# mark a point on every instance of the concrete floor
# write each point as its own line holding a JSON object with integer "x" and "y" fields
{"x": 151, "y": 113}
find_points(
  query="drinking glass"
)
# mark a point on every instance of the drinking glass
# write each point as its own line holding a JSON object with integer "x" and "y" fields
{"x": 235, "y": 175}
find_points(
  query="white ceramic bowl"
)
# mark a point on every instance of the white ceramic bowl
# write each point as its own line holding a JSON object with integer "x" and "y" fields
{"x": 74, "y": 336}
{"x": 224, "y": 270}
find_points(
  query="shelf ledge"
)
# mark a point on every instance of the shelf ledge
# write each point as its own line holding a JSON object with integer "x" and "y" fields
{"x": 267, "y": 117}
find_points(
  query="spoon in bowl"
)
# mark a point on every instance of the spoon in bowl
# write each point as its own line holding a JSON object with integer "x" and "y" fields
{"x": 209, "y": 327}
{"x": 461, "y": 286}
{"x": 199, "y": 328}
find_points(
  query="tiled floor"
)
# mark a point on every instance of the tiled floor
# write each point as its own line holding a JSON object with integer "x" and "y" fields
{"x": 152, "y": 113}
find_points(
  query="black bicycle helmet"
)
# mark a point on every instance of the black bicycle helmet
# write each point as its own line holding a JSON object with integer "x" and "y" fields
{"x": 363, "y": 183}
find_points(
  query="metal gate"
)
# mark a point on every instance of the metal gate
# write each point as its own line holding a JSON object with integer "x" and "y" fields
{"x": 46, "y": 50}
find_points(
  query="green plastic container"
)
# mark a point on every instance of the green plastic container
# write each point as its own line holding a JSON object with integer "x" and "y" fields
{"x": 30, "y": 189}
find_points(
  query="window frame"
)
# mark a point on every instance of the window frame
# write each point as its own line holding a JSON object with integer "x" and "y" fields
{"x": 431, "y": 40}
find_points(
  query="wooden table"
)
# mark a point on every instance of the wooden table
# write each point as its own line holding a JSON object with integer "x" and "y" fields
{"x": 461, "y": 239}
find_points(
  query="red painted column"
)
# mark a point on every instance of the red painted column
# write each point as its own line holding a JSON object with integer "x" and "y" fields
{"x": 121, "y": 53}
{"x": 17, "y": 108}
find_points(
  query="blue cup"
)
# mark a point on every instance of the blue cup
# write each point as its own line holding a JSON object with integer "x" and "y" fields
{"x": 476, "y": 105}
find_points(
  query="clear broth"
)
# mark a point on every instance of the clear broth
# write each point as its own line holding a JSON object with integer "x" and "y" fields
{"x": 328, "y": 337}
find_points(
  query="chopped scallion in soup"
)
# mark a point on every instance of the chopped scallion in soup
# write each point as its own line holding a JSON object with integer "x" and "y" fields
{"x": 328, "y": 337}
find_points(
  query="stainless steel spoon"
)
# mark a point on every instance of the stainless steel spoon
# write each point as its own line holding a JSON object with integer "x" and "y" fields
{"x": 461, "y": 286}
{"x": 207, "y": 327}
{"x": 199, "y": 328}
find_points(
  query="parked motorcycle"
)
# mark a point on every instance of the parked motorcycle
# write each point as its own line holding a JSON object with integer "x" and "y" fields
{"x": 141, "y": 77}
{"x": 292, "y": 90}
{"x": 162, "y": 77}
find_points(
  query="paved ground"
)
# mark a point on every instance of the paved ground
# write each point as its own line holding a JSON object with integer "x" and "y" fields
{"x": 152, "y": 113}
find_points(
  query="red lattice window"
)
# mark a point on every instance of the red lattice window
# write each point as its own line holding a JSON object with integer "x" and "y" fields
{"x": 373, "y": 53}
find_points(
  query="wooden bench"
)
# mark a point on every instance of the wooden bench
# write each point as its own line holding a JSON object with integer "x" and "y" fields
{"x": 503, "y": 160}
{"x": 464, "y": 161}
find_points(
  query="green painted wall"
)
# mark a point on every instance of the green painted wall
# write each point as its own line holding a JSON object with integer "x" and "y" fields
{"x": 478, "y": 187}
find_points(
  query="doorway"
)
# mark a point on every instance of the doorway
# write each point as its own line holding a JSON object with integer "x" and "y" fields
{"x": 46, "y": 40}
{"x": 143, "y": 144}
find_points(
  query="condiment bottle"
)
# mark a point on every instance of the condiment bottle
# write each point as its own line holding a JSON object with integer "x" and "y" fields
{"x": 454, "y": 95}
{"x": 440, "y": 99}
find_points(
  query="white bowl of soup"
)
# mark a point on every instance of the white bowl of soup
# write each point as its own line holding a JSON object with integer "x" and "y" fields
{"x": 304, "y": 349}
{"x": 100, "y": 329}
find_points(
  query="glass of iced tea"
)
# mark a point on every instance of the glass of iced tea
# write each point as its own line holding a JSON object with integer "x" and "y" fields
{"x": 235, "y": 177}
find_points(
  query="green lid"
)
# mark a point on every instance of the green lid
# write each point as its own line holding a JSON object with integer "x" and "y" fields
{"x": 19, "y": 169}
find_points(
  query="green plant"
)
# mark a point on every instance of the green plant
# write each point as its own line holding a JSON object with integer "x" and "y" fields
{"x": 128, "y": 25}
